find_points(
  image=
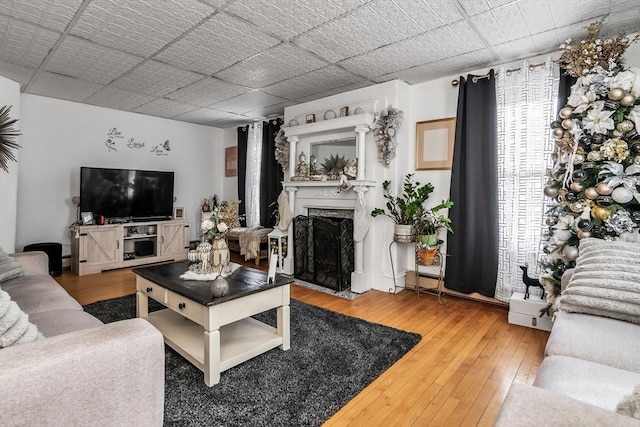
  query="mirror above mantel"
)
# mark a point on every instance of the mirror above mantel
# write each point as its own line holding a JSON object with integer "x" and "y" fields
{"x": 340, "y": 134}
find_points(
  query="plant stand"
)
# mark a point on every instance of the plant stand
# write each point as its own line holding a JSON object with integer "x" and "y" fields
{"x": 437, "y": 262}
{"x": 397, "y": 239}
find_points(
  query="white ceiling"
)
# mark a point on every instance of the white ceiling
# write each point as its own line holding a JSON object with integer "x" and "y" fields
{"x": 224, "y": 63}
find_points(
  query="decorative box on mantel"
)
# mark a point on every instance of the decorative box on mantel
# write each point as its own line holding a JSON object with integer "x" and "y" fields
{"x": 526, "y": 312}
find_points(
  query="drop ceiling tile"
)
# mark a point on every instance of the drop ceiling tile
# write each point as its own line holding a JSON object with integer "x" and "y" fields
{"x": 375, "y": 25}
{"x": 564, "y": 12}
{"x": 62, "y": 87}
{"x": 395, "y": 57}
{"x": 88, "y": 61}
{"x": 446, "y": 11}
{"x": 547, "y": 41}
{"x": 51, "y": 14}
{"x": 211, "y": 117}
{"x": 285, "y": 19}
{"x": 537, "y": 15}
{"x": 164, "y": 108}
{"x": 24, "y": 44}
{"x": 118, "y": 99}
{"x": 139, "y": 27}
{"x": 420, "y": 13}
{"x": 332, "y": 42}
{"x": 511, "y": 21}
{"x": 16, "y": 73}
{"x": 278, "y": 63}
{"x": 202, "y": 116}
{"x": 488, "y": 26}
{"x": 429, "y": 49}
{"x": 247, "y": 102}
{"x": 215, "y": 3}
{"x": 396, "y": 17}
{"x": 590, "y": 9}
{"x": 474, "y": 7}
{"x": 206, "y": 92}
{"x": 219, "y": 43}
{"x": 336, "y": 90}
{"x": 457, "y": 38}
{"x": 316, "y": 81}
{"x": 156, "y": 78}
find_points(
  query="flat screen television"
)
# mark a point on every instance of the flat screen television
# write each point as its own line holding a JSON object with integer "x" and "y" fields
{"x": 126, "y": 194}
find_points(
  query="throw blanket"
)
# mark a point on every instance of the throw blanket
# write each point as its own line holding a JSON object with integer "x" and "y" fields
{"x": 606, "y": 281}
{"x": 249, "y": 240}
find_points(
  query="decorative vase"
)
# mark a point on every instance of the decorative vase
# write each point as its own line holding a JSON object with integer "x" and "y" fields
{"x": 219, "y": 254}
{"x": 403, "y": 233}
{"x": 219, "y": 287}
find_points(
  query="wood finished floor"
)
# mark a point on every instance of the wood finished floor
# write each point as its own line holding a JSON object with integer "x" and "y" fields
{"x": 457, "y": 375}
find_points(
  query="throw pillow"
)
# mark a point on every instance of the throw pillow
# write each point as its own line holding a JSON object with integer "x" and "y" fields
{"x": 15, "y": 327}
{"x": 9, "y": 268}
{"x": 630, "y": 405}
{"x": 606, "y": 281}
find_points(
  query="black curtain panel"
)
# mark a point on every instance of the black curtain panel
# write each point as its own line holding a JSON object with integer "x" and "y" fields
{"x": 243, "y": 136}
{"x": 564, "y": 88}
{"x": 472, "y": 264}
{"x": 271, "y": 175}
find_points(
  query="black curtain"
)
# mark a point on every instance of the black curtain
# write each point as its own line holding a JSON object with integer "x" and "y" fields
{"x": 564, "y": 89}
{"x": 472, "y": 264}
{"x": 243, "y": 136}
{"x": 271, "y": 175}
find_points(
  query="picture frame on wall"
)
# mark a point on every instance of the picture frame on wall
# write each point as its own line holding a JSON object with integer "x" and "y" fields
{"x": 434, "y": 143}
{"x": 178, "y": 212}
{"x": 344, "y": 111}
{"x": 311, "y": 118}
{"x": 231, "y": 161}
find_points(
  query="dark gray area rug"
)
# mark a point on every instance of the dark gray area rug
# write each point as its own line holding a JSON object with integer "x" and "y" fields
{"x": 332, "y": 358}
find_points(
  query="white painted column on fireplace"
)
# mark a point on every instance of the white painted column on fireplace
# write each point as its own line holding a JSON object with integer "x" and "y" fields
{"x": 360, "y": 143}
{"x": 359, "y": 278}
{"x": 288, "y": 261}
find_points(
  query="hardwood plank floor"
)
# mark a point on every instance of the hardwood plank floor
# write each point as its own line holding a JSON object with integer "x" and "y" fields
{"x": 457, "y": 375}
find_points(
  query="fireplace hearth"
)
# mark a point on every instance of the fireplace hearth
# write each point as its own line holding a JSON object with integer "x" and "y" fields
{"x": 323, "y": 250}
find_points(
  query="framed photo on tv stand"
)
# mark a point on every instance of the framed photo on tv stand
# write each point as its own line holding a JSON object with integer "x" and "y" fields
{"x": 178, "y": 212}
{"x": 87, "y": 218}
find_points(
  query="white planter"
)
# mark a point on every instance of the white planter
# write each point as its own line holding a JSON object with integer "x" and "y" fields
{"x": 402, "y": 233}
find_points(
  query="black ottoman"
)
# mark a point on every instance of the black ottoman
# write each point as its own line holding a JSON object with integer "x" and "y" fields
{"x": 53, "y": 250}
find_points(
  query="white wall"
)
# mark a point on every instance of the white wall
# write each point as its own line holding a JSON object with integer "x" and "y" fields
{"x": 61, "y": 136}
{"x": 9, "y": 95}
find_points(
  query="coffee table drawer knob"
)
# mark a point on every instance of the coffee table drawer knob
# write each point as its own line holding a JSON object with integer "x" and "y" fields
{"x": 149, "y": 289}
{"x": 181, "y": 306}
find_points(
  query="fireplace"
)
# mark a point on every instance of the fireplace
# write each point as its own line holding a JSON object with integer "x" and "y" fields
{"x": 323, "y": 250}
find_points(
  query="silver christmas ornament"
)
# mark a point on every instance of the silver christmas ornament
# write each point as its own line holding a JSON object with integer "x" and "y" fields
{"x": 550, "y": 191}
{"x": 570, "y": 252}
{"x": 622, "y": 195}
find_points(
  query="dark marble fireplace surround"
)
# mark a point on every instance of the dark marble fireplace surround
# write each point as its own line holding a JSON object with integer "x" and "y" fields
{"x": 323, "y": 247}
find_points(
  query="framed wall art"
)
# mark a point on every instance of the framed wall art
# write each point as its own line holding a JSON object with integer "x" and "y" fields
{"x": 178, "y": 212}
{"x": 231, "y": 161}
{"x": 434, "y": 143}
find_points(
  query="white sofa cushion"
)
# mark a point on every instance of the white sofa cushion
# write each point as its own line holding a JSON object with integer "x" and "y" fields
{"x": 598, "y": 339}
{"x": 57, "y": 322}
{"x": 590, "y": 382}
{"x": 38, "y": 293}
{"x": 606, "y": 281}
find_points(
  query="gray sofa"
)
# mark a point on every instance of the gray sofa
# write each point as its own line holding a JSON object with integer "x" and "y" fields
{"x": 592, "y": 362}
{"x": 83, "y": 372}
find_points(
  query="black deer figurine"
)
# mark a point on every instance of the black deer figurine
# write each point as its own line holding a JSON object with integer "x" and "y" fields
{"x": 530, "y": 281}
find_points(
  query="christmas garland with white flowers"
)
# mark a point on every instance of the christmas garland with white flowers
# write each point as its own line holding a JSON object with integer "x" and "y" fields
{"x": 385, "y": 128}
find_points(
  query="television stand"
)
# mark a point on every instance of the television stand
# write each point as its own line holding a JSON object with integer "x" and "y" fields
{"x": 119, "y": 245}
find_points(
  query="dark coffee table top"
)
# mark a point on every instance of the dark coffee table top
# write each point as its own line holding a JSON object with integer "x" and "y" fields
{"x": 242, "y": 282}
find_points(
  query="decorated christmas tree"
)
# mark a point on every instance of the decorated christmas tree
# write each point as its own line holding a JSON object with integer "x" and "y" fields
{"x": 595, "y": 178}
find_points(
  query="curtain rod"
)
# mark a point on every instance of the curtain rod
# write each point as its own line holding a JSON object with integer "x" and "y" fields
{"x": 475, "y": 79}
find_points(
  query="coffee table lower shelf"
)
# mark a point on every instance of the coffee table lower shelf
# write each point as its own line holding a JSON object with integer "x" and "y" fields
{"x": 239, "y": 341}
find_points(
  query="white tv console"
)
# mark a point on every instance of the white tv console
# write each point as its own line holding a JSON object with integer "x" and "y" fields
{"x": 106, "y": 247}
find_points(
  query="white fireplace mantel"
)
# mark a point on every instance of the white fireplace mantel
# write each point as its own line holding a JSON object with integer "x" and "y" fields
{"x": 327, "y": 193}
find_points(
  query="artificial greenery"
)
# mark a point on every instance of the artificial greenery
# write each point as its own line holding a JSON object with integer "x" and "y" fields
{"x": 8, "y": 135}
{"x": 334, "y": 165}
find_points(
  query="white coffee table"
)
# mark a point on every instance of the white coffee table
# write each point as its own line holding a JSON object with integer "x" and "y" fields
{"x": 215, "y": 334}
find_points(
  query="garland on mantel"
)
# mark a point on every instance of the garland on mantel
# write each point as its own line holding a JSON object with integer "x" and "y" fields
{"x": 385, "y": 127}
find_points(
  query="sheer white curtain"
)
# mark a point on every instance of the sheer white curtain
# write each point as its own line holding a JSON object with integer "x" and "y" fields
{"x": 252, "y": 183}
{"x": 525, "y": 107}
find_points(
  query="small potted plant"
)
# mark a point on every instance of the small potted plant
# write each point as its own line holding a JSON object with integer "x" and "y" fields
{"x": 405, "y": 209}
{"x": 427, "y": 226}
